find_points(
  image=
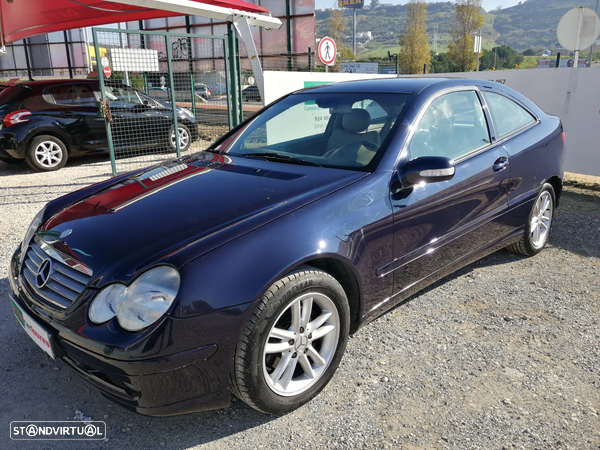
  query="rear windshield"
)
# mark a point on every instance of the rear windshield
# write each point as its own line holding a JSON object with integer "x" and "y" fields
{"x": 14, "y": 94}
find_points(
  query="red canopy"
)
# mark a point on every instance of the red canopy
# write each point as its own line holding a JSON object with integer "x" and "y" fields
{"x": 25, "y": 18}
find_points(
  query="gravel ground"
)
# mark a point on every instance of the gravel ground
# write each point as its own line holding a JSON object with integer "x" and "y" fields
{"x": 504, "y": 354}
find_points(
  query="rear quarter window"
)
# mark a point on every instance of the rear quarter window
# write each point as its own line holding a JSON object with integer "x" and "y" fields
{"x": 508, "y": 116}
{"x": 14, "y": 95}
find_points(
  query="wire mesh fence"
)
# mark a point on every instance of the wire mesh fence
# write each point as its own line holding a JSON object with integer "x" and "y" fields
{"x": 144, "y": 75}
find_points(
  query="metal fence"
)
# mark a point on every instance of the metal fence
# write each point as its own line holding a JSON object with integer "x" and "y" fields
{"x": 145, "y": 74}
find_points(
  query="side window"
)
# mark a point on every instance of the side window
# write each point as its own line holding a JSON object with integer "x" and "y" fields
{"x": 121, "y": 97}
{"x": 453, "y": 126}
{"x": 71, "y": 95}
{"x": 508, "y": 117}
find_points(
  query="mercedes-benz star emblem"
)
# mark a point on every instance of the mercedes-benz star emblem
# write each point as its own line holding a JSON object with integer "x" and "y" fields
{"x": 65, "y": 233}
{"x": 43, "y": 274}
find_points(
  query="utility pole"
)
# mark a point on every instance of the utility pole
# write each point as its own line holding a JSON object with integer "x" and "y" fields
{"x": 592, "y": 47}
{"x": 495, "y": 55}
{"x": 478, "y": 47}
{"x": 354, "y": 31}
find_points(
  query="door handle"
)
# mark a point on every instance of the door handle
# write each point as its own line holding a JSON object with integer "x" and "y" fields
{"x": 500, "y": 164}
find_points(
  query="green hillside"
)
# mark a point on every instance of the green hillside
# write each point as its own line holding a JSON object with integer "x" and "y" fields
{"x": 531, "y": 24}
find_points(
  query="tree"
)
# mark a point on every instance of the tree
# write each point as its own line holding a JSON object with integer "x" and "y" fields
{"x": 335, "y": 30}
{"x": 375, "y": 4}
{"x": 414, "y": 51}
{"x": 441, "y": 64}
{"x": 505, "y": 56}
{"x": 467, "y": 19}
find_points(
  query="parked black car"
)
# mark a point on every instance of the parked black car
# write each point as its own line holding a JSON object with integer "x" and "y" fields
{"x": 251, "y": 93}
{"x": 43, "y": 122}
{"x": 243, "y": 269}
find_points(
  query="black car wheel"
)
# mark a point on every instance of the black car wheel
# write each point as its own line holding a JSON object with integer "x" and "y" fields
{"x": 538, "y": 224}
{"x": 46, "y": 153}
{"x": 185, "y": 137}
{"x": 292, "y": 343}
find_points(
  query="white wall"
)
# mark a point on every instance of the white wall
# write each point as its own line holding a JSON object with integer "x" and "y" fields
{"x": 571, "y": 94}
{"x": 277, "y": 84}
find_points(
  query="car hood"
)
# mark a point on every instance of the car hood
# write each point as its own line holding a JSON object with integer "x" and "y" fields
{"x": 204, "y": 200}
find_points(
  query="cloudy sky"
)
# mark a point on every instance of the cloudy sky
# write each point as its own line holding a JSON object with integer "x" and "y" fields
{"x": 487, "y": 4}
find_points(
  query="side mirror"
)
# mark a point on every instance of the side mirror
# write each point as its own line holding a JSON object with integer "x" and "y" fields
{"x": 427, "y": 169}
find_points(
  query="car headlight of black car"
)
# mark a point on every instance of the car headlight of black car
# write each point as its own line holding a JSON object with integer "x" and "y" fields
{"x": 33, "y": 226}
{"x": 140, "y": 304}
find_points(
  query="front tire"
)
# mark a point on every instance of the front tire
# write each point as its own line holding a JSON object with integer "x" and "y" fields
{"x": 292, "y": 343}
{"x": 539, "y": 222}
{"x": 185, "y": 137}
{"x": 46, "y": 153}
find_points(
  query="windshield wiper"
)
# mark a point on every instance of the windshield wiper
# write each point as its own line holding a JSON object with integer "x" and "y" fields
{"x": 280, "y": 158}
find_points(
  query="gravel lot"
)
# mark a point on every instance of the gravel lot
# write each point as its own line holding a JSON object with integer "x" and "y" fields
{"x": 505, "y": 354}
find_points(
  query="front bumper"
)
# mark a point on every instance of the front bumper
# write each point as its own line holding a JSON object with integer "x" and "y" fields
{"x": 154, "y": 383}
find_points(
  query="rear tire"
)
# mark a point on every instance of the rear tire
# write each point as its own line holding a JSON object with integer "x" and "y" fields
{"x": 539, "y": 223}
{"x": 46, "y": 153}
{"x": 292, "y": 343}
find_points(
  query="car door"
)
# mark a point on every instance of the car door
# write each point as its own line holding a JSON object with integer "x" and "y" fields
{"x": 74, "y": 105}
{"x": 436, "y": 224}
{"x": 527, "y": 152}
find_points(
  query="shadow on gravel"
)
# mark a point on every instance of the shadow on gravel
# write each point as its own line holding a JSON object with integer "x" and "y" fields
{"x": 577, "y": 224}
{"x": 21, "y": 168}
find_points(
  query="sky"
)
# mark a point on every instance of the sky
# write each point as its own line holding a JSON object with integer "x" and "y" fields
{"x": 488, "y": 5}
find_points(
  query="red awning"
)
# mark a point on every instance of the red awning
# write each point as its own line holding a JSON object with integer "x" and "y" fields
{"x": 24, "y": 18}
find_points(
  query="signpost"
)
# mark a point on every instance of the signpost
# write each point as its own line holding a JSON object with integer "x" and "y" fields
{"x": 477, "y": 47}
{"x": 107, "y": 72}
{"x": 578, "y": 29}
{"x": 327, "y": 51}
{"x": 354, "y": 5}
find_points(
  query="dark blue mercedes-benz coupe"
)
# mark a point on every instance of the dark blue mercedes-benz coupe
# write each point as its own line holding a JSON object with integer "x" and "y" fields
{"x": 243, "y": 269}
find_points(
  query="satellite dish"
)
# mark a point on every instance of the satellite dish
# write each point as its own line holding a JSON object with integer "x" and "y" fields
{"x": 578, "y": 29}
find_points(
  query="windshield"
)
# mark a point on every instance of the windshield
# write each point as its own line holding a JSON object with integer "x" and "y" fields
{"x": 343, "y": 130}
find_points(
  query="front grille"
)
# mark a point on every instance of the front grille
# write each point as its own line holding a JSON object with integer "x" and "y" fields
{"x": 67, "y": 277}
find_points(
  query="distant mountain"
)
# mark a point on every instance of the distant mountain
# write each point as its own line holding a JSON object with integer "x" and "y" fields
{"x": 531, "y": 24}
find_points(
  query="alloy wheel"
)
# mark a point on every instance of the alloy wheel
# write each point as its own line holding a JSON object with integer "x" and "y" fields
{"x": 48, "y": 154}
{"x": 301, "y": 344}
{"x": 541, "y": 219}
{"x": 184, "y": 138}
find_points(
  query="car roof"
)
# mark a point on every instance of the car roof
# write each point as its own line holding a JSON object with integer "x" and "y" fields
{"x": 43, "y": 83}
{"x": 407, "y": 85}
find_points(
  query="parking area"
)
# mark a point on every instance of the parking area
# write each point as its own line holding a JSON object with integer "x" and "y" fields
{"x": 503, "y": 354}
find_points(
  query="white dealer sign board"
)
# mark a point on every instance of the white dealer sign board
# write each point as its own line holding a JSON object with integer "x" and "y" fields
{"x": 134, "y": 59}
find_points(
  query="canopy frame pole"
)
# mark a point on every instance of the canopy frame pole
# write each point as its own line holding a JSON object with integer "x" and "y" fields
{"x": 2, "y": 46}
{"x": 191, "y": 8}
{"x": 243, "y": 29}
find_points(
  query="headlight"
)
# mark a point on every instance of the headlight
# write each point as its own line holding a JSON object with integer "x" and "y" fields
{"x": 104, "y": 306}
{"x": 140, "y": 304}
{"x": 186, "y": 111}
{"x": 33, "y": 226}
